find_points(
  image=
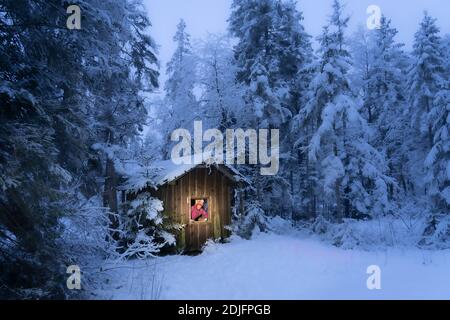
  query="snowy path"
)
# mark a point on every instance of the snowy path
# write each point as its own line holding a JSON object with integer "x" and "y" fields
{"x": 285, "y": 267}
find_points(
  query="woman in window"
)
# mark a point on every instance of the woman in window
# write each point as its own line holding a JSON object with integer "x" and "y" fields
{"x": 197, "y": 211}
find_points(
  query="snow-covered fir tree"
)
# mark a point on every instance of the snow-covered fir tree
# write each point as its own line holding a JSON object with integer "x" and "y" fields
{"x": 254, "y": 24}
{"x": 271, "y": 55}
{"x": 352, "y": 172}
{"x": 62, "y": 92}
{"x": 180, "y": 99}
{"x": 296, "y": 55}
{"x": 142, "y": 230}
{"x": 430, "y": 106}
{"x": 428, "y": 92}
{"x": 221, "y": 96}
{"x": 383, "y": 65}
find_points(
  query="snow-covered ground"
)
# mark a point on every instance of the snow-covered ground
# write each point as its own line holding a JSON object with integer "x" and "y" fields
{"x": 289, "y": 266}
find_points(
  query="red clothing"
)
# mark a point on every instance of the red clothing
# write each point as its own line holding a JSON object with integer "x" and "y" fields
{"x": 197, "y": 213}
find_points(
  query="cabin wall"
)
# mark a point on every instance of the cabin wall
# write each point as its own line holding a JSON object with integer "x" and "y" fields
{"x": 201, "y": 182}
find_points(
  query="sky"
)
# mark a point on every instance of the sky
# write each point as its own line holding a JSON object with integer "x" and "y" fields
{"x": 210, "y": 16}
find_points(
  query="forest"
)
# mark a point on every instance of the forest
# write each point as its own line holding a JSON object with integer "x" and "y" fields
{"x": 363, "y": 123}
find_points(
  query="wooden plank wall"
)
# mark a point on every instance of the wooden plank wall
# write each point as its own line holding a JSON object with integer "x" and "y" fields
{"x": 201, "y": 182}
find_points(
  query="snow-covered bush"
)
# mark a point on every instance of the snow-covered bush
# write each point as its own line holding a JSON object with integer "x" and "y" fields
{"x": 142, "y": 228}
{"x": 346, "y": 237}
{"x": 279, "y": 225}
{"x": 253, "y": 218}
{"x": 86, "y": 240}
{"x": 86, "y": 228}
{"x": 211, "y": 246}
{"x": 437, "y": 232}
{"x": 389, "y": 231}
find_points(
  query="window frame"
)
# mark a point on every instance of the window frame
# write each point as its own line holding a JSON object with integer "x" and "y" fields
{"x": 207, "y": 199}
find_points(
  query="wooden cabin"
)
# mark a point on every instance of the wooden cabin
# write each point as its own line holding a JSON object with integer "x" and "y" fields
{"x": 179, "y": 186}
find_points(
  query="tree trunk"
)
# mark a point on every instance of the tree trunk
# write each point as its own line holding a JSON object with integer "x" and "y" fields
{"x": 337, "y": 194}
{"x": 110, "y": 190}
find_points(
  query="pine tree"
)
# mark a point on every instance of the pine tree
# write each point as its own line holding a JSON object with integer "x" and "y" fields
{"x": 180, "y": 100}
{"x": 352, "y": 171}
{"x": 446, "y": 51}
{"x": 254, "y": 23}
{"x": 296, "y": 71}
{"x": 383, "y": 88}
{"x": 426, "y": 105}
{"x": 43, "y": 142}
{"x": 271, "y": 55}
{"x": 142, "y": 227}
{"x": 437, "y": 161}
{"x": 295, "y": 53}
{"x": 64, "y": 90}
{"x": 221, "y": 95}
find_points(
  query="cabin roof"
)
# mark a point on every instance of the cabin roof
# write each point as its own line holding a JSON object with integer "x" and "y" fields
{"x": 169, "y": 171}
{"x": 166, "y": 171}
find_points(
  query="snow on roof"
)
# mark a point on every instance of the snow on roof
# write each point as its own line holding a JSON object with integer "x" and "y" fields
{"x": 165, "y": 171}
{"x": 169, "y": 171}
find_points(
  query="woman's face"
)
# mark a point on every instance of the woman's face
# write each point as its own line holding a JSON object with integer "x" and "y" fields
{"x": 199, "y": 206}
